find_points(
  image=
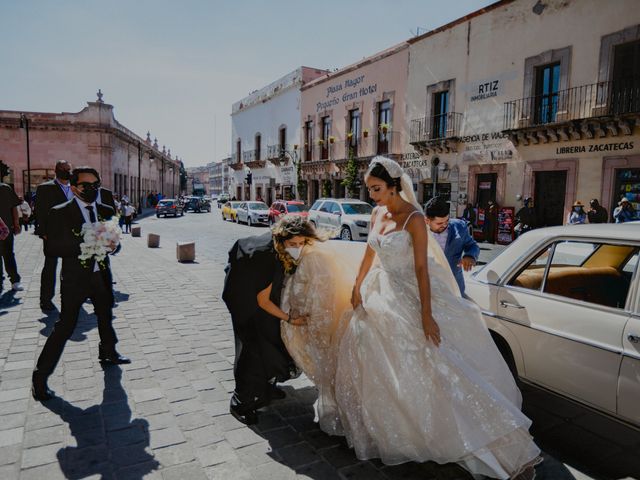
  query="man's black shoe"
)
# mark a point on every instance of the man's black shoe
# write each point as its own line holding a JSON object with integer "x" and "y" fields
{"x": 39, "y": 389}
{"x": 111, "y": 357}
{"x": 243, "y": 415}
{"x": 47, "y": 306}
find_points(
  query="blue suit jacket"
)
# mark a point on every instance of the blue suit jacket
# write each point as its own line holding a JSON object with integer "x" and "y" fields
{"x": 459, "y": 244}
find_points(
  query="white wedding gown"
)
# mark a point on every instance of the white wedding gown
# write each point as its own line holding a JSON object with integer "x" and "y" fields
{"x": 400, "y": 398}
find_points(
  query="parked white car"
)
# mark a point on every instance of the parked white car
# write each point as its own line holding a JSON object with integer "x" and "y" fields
{"x": 252, "y": 213}
{"x": 349, "y": 217}
{"x": 563, "y": 306}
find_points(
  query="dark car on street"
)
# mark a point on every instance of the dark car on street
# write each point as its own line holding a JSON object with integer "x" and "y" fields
{"x": 169, "y": 206}
{"x": 196, "y": 204}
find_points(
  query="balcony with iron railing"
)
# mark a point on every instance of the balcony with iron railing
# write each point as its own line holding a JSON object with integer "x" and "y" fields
{"x": 251, "y": 158}
{"x": 236, "y": 162}
{"x": 579, "y": 112}
{"x": 436, "y": 132}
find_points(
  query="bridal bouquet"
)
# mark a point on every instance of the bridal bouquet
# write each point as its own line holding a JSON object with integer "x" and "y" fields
{"x": 98, "y": 240}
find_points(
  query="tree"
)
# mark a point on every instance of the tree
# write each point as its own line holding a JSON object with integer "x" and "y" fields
{"x": 302, "y": 185}
{"x": 350, "y": 181}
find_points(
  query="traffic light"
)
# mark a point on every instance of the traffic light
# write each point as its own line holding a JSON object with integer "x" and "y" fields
{"x": 248, "y": 178}
{"x": 4, "y": 170}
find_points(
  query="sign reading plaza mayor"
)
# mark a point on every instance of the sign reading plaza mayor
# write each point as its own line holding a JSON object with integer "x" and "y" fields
{"x": 348, "y": 90}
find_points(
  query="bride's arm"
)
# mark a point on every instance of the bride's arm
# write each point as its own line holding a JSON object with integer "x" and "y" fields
{"x": 418, "y": 232}
{"x": 365, "y": 265}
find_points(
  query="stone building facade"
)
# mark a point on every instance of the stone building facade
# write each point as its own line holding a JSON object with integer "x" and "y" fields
{"x": 128, "y": 164}
{"x": 530, "y": 99}
{"x": 356, "y": 112}
{"x": 265, "y": 137}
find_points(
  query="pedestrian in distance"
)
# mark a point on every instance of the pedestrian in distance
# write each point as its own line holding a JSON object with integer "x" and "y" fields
{"x": 453, "y": 236}
{"x": 128, "y": 212}
{"x": 10, "y": 215}
{"x": 624, "y": 212}
{"x": 577, "y": 216}
{"x": 48, "y": 195}
{"x": 80, "y": 279}
{"x": 25, "y": 213}
{"x": 525, "y": 218}
{"x": 490, "y": 224}
{"x": 597, "y": 213}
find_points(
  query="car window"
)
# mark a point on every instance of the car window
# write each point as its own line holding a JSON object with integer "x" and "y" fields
{"x": 296, "y": 207}
{"x": 335, "y": 208}
{"x": 316, "y": 205}
{"x": 357, "y": 208}
{"x": 326, "y": 206}
{"x": 242, "y": 205}
{"x": 258, "y": 206}
{"x": 631, "y": 264}
{"x": 586, "y": 271}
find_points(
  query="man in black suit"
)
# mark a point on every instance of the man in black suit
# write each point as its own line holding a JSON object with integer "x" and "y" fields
{"x": 105, "y": 197}
{"x": 79, "y": 281}
{"x": 48, "y": 195}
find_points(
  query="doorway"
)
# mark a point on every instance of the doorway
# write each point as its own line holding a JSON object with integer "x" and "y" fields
{"x": 548, "y": 198}
{"x": 486, "y": 189}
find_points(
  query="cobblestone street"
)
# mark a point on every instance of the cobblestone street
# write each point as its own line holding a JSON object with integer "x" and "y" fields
{"x": 165, "y": 416}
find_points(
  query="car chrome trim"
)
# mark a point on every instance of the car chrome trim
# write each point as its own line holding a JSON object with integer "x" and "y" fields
{"x": 555, "y": 333}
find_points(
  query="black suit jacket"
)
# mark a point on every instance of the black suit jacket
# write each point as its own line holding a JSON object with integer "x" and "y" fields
{"x": 48, "y": 195}
{"x": 106, "y": 198}
{"x": 65, "y": 223}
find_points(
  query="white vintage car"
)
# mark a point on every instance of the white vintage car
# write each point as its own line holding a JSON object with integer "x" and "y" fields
{"x": 563, "y": 306}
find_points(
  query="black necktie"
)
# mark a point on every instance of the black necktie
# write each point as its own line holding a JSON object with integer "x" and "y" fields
{"x": 92, "y": 215}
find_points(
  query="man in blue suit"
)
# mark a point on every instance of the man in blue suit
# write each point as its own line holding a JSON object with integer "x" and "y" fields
{"x": 461, "y": 249}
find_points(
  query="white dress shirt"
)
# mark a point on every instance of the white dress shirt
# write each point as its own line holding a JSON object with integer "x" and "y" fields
{"x": 85, "y": 214}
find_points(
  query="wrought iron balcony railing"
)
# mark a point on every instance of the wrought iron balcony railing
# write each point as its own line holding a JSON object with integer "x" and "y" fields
{"x": 435, "y": 128}
{"x": 276, "y": 151}
{"x": 578, "y": 103}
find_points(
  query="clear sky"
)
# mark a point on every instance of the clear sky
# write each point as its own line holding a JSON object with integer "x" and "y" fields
{"x": 175, "y": 67}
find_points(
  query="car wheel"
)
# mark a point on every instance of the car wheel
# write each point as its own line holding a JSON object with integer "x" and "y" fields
{"x": 182, "y": 213}
{"x": 505, "y": 351}
{"x": 249, "y": 221}
{"x": 345, "y": 234}
{"x": 157, "y": 215}
{"x": 237, "y": 219}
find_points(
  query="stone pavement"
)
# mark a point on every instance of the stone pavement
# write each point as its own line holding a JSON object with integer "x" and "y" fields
{"x": 165, "y": 416}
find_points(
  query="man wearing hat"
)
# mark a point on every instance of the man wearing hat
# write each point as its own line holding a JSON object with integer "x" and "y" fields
{"x": 624, "y": 212}
{"x": 577, "y": 215}
{"x": 453, "y": 236}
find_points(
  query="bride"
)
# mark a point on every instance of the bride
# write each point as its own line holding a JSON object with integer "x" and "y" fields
{"x": 418, "y": 377}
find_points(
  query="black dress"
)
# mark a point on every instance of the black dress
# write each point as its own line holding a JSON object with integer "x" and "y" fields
{"x": 261, "y": 356}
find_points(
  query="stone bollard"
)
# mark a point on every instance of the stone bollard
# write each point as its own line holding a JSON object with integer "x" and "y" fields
{"x": 186, "y": 251}
{"x": 153, "y": 240}
{"x": 136, "y": 231}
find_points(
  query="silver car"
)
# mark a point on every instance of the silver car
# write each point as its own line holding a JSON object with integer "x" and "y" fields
{"x": 348, "y": 217}
{"x": 563, "y": 306}
{"x": 253, "y": 213}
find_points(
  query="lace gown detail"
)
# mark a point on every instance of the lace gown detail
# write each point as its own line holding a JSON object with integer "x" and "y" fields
{"x": 402, "y": 399}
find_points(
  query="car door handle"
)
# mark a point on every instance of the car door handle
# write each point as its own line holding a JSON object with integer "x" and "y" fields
{"x": 509, "y": 304}
{"x": 633, "y": 338}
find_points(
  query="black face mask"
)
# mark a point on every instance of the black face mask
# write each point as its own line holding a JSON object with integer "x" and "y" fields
{"x": 63, "y": 175}
{"x": 89, "y": 192}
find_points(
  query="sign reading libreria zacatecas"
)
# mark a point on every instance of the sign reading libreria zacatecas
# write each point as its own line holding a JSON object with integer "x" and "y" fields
{"x": 347, "y": 91}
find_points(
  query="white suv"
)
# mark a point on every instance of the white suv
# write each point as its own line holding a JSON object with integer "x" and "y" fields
{"x": 347, "y": 216}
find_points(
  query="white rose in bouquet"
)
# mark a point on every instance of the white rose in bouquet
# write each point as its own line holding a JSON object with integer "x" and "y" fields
{"x": 98, "y": 240}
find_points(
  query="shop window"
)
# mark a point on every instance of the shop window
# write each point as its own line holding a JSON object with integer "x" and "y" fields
{"x": 546, "y": 98}
{"x": 326, "y": 132}
{"x": 258, "y": 146}
{"x": 628, "y": 186}
{"x": 440, "y": 111}
{"x": 384, "y": 134}
{"x": 308, "y": 141}
{"x": 354, "y": 131}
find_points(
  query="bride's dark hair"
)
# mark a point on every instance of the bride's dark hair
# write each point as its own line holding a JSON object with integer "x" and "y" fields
{"x": 378, "y": 171}
{"x": 293, "y": 226}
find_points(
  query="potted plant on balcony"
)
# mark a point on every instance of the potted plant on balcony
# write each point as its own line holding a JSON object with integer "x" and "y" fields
{"x": 350, "y": 135}
{"x": 332, "y": 139}
{"x": 295, "y": 146}
{"x": 385, "y": 127}
{"x": 320, "y": 141}
{"x": 365, "y": 133}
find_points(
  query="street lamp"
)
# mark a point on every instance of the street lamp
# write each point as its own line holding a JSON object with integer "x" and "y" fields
{"x": 139, "y": 177}
{"x": 24, "y": 123}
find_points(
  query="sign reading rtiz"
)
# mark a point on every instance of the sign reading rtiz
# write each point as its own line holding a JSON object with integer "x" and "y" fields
{"x": 356, "y": 90}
